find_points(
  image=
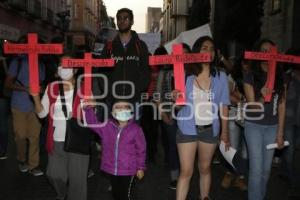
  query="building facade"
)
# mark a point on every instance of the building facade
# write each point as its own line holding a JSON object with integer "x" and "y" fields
{"x": 84, "y": 23}
{"x": 77, "y": 21}
{"x": 18, "y": 17}
{"x": 236, "y": 25}
{"x": 153, "y": 20}
{"x": 281, "y": 23}
{"x": 175, "y": 16}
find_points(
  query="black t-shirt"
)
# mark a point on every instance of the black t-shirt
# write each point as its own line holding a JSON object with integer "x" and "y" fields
{"x": 270, "y": 112}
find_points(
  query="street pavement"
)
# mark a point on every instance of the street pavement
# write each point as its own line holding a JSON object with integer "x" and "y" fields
{"x": 15, "y": 185}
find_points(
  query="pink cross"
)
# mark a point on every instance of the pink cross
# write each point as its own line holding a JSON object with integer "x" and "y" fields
{"x": 272, "y": 57}
{"x": 177, "y": 59}
{"x": 87, "y": 63}
{"x": 33, "y": 49}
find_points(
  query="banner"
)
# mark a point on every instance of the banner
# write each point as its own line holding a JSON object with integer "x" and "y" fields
{"x": 152, "y": 40}
{"x": 189, "y": 37}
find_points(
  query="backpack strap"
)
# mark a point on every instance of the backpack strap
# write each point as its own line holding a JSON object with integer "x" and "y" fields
{"x": 19, "y": 65}
{"x": 109, "y": 46}
{"x": 138, "y": 46}
{"x": 63, "y": 98}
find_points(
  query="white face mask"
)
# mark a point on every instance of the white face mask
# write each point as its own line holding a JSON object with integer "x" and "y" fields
{"x": 122, "y": 115}
{"x": 65, "y": 73}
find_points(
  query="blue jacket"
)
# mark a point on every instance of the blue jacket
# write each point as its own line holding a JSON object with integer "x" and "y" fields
{"x": 220, "y": 96}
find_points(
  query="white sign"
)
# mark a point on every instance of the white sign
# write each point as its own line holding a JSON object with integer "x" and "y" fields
{"x": 189, "y": 37}
{"x": 9, "y": 33}
{"x": 151, "y": 39}
{"x": 228, "y": 155}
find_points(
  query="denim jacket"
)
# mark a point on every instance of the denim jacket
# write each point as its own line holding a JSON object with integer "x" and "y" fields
{"x": 219, "y": 96}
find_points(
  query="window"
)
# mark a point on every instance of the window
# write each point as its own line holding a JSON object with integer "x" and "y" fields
{"x": 276, "y": 6}
{"x": 75, "y": 11}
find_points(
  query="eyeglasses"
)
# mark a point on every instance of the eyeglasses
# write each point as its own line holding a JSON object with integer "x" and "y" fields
{"x": 124, "y": 18}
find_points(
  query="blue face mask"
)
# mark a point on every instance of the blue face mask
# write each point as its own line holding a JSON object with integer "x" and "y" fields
{"x": 122, "y": 115}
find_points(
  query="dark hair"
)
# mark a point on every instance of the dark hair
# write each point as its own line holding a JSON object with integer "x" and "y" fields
{"x": 291, "y": 66}
{"x": 57, "y": 39}
{"x": 187, "y": 47}
{"x": 188, "y": 67}
{"x": 161, "y": 50}
{"x": 115, "y": 101}
{"x": 22, "y": 39}
{"x": 196, "y": 69}
{"x": 125, "y": 10}
{"x": 260, "y": 77}
{"x": 258, "y": 44}
{"x": 237, "y": 72}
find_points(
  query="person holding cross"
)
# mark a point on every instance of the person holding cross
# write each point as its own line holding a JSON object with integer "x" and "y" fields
{"x": 164, "y": 87}
{"x": 131, "y": 74}
{"x": 26, "y": 125}
{"x": 66, "y": 170}
{"x": 292, "y": 126}
{"x": 199, "y": 120}
{"x": 264, "y": 121}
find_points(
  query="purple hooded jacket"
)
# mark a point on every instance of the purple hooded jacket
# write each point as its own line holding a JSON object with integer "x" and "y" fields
{"x": 123, "y": 149}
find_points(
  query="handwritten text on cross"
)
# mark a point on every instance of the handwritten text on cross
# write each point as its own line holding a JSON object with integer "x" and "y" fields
{"x": 272, "y": 57}
{"x": 87, "y": 63}
{"x": 33, "y": 49}
{"x": 178, "y": 59}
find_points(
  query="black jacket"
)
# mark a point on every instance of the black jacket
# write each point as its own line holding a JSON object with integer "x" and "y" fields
{"x": 131, "y": 64}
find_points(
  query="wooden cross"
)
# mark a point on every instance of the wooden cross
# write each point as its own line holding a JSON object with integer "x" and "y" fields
{"x": 272, "y": 57}
{"x": 178, "y": 59}
{"x": 87, "y": 63}
{"x": 33, "y": 49}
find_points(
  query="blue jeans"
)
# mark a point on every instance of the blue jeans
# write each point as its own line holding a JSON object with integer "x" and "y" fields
{"x": 237, "y": 139}
{"x": 4, "y": 112}
{"x": 260, "y": 159}
{"x": 291, "y": 134}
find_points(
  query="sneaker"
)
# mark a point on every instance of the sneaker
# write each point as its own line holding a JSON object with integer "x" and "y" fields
{"x": 90, "y": 173}
{"x": 3, "y": 157}
{"x": 173, "y": 185}
{"x": 36, "y": 172}
{"x": 240, "y": 183}
{"x": 23, "y": 167}
{"x": 227, "y": 180}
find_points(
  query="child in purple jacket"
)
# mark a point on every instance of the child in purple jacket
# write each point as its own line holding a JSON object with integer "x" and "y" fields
{"x": 123, "y": 147}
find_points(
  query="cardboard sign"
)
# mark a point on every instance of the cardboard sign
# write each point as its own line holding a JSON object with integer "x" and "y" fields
{"x": 178, "y": 59}
{"x": 87, "y": 63}
{"x": 272, "y": 57}
{"x": 33, "y": 49}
